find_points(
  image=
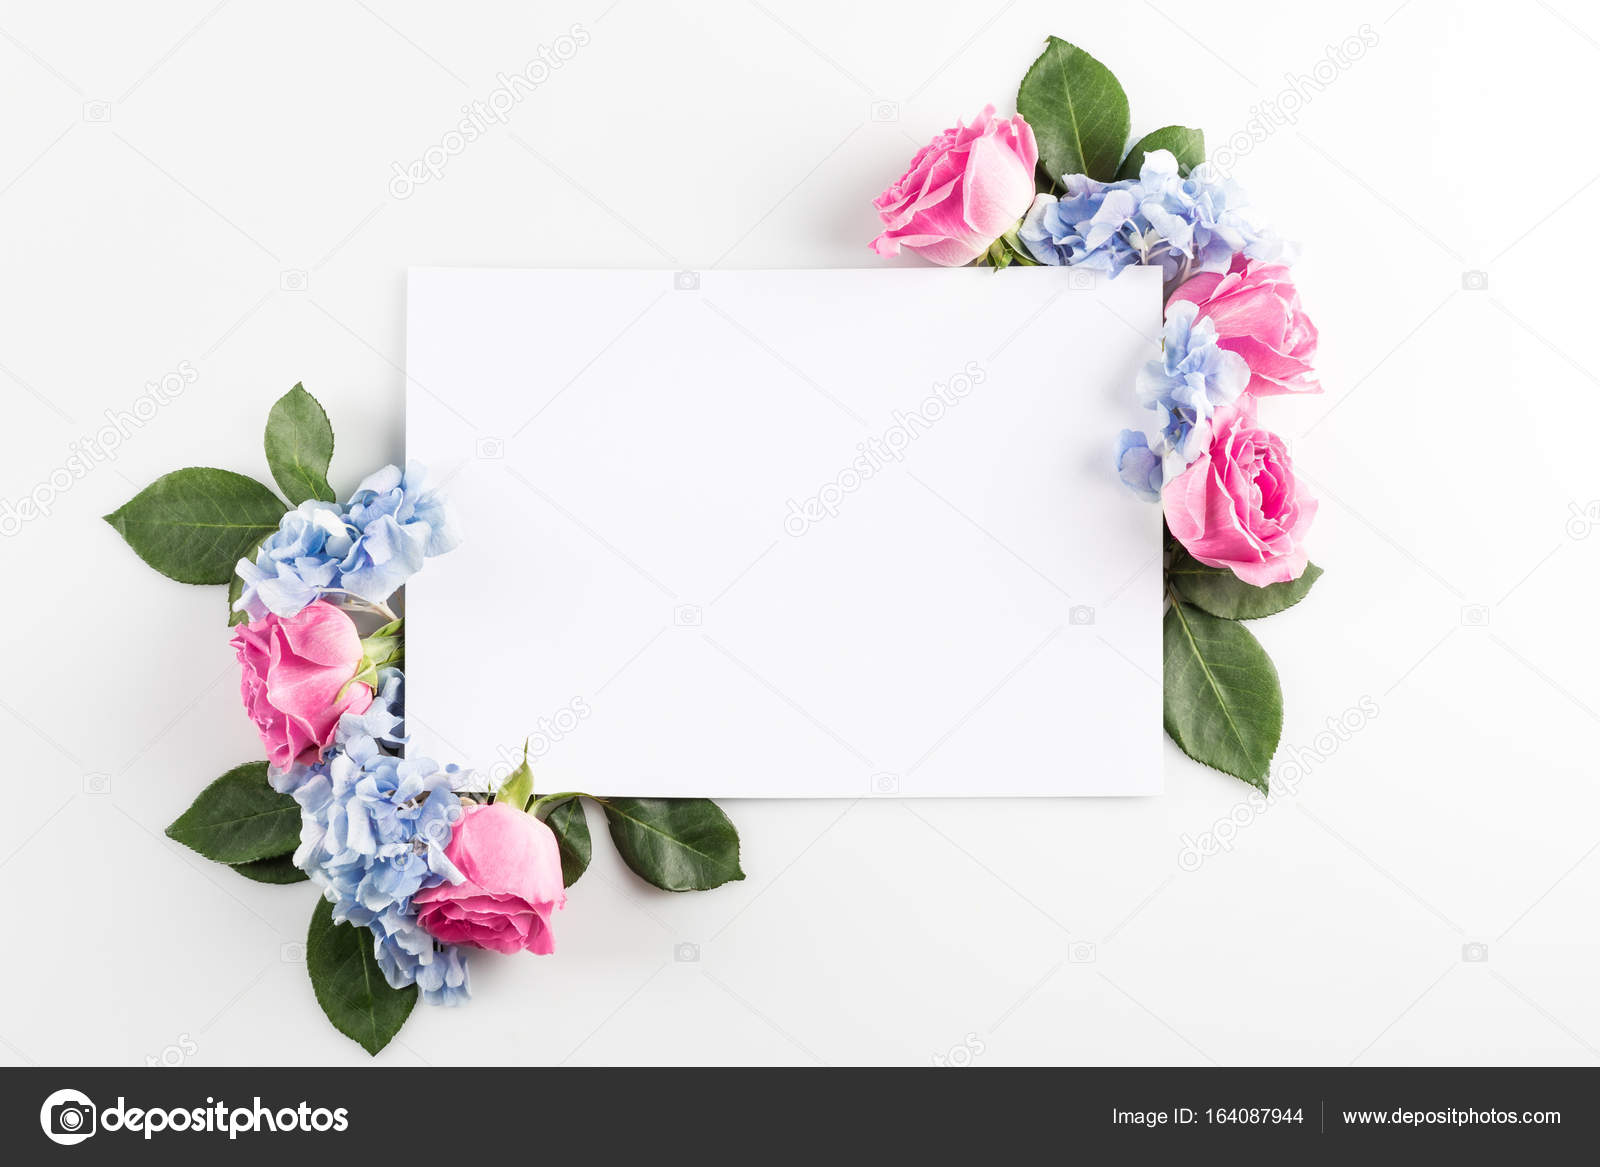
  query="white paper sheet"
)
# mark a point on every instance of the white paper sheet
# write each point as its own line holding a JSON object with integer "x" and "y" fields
{"x": 787, "y": 533}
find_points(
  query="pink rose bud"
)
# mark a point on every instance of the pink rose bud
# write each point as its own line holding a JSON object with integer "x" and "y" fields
{"x": 1239, "y": 505}
{"x": 963, "y": 190}
{"x": 512, "y": 865}
{"x": 292, "y": 671}
{"x": 1256, "y": 309}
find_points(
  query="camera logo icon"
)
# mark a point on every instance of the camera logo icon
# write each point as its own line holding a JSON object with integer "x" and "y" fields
{"x": 1475, "y": 615}
{"x": 885, "y": 111}
{"x": 686, "y": 953}
{"x": 1475, "y": 281}
{"x": 97, "y": 112}
{"x": 886, "y": 784}
{"x": 1475, "y": 952}
{"x": 688, "y": 616}
{"x": 292, "y": 952}
{"x": 686, "y": 281}
{"x": 97, "y": 783}
{"x": 1080, "y": 614}
{"x": 68, "y": 1117}
{"x": 293, "y": 280}
{"x": 1080, "y": 279}
{"x": 1080, "y": 952}
{"x": 491, "y": 449}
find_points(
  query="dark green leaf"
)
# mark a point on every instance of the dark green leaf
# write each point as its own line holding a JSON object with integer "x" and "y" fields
{"x": 1078, "y": 112}
{"x": 239, "y": 818}
{"x": 679, "y": 844}
{"x": 1188, "y": 146}
{"x": 299, "y": 444}
{"x": 571, "y": 828}
{"x": 193, "y": 525}
{"x": 1220, "y": 592}
{"x": 350, "y": 986}
{"x": 278, "y": 869}
{"x": 1222, "y": 702}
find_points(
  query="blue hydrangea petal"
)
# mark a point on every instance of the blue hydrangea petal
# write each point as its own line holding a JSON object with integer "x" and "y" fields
{"x": 1138, "y": 465}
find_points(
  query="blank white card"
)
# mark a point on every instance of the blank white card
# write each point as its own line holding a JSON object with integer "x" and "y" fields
{"x": 787, "y": 533}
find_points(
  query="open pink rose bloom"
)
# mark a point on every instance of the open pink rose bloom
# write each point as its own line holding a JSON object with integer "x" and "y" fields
{"x": 512, "y": 865}
{"x": 962, "y": 191}
{"x": 292, "y": 669}
{"x": 1239, "y": 505}
{"x": 1256, "y": 309}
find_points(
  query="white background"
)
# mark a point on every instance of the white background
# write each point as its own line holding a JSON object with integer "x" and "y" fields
{"x": 209, "y": 183}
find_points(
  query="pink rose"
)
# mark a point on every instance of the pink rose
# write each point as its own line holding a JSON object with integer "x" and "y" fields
{"x": 293, "y": 668}
{"x": 1239, "y": 505}
{"x": 1257, "y": 313}
{"x": 512, "y": 865}
{"x": 963, "y": 190}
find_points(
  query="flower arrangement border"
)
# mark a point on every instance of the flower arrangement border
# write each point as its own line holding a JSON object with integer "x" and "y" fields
{"x": 1059, "y": 186}
{"x": 419, "y": 864}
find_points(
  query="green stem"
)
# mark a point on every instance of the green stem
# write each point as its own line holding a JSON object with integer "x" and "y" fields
{"x": 533, "y": 806}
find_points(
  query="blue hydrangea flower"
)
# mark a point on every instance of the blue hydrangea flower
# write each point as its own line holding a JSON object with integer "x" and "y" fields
{"x": 1196, "y": 223}
{"x": 1183, "y": 224}
{"x": 1094, "y": 224}
{"x": 373, "y": 832}
{"x": 408, "y": 955}
{"x": 387, "y": 823}
{"x": 399, "y": 520}
{"x": 297, "y": 563}
{"x": 366, "y": 548}
{"x": 1187, "y": 384}
{"x": 1138, "y": 465}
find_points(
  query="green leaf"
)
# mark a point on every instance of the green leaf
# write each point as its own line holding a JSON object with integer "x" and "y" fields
{"x": 997, "y": 257}
{"x": 1188, "y": 146}
{"x": 299, "y": 444}
{"x": 571, "y": 828}
{"x": 193, "y": 525}
{"x": 385, "y": 648}
{"x": 350, "y": 986}
{"x": 1078, "y": 112}
{"x": 1007, "y": 250}
{"x": 517, "y": 789}
{"x": 679, "y": 844}
{"x": 1220, "y": 592}
{"x": 278, "y": 869}
{"x": 1222, "y": 703}
{"x": 1017, "y": 249}
{"x": 239, "y": 818}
